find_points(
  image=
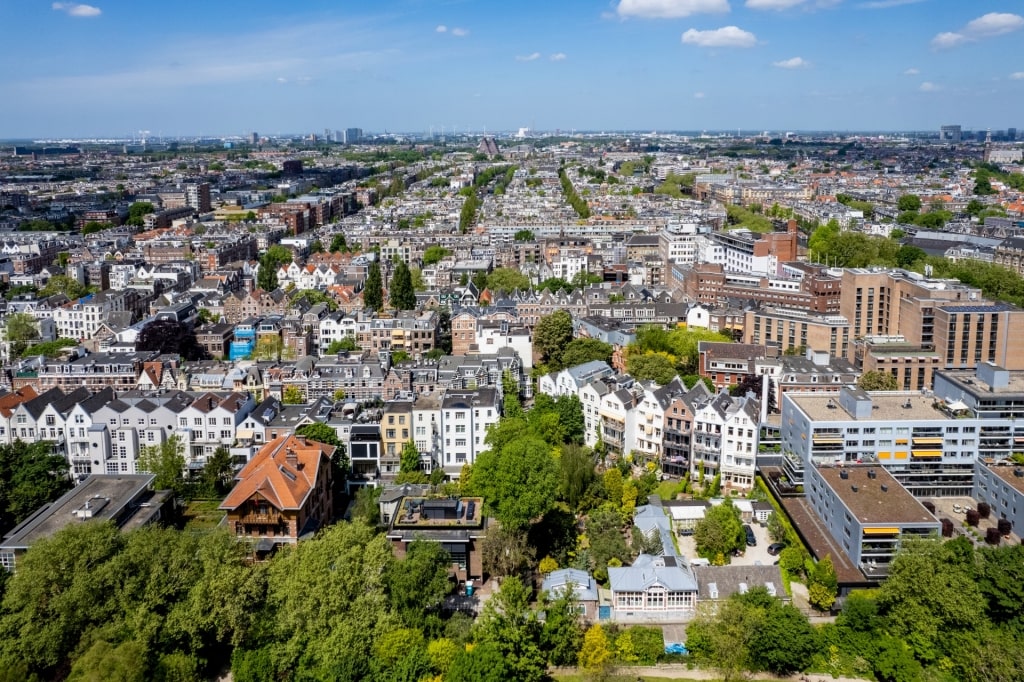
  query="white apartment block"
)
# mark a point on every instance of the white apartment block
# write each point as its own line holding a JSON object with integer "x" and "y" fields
{"x": 725, "y": 436}
{"x": 465, "y": 417}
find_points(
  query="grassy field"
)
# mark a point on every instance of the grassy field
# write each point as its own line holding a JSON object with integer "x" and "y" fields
{"x": 202, "y": 514}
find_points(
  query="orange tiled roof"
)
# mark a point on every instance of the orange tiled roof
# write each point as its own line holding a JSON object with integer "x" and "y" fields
{"x": 285, "y": 484}
{"x": 11, "y": 400}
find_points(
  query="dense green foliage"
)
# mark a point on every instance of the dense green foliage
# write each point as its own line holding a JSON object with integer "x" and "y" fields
{"x": 578, "y": 203}
{"x": 402, "y": 294}
{"x": 31, "y": 476}
{"x": 659, "y": 354}
{"x": 751, "y": 220}
{"x": 373, "y": 290}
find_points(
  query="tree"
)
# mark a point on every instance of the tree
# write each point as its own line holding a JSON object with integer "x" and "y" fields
{"x": 435, "y": 254}
{"x": 506, "y": 552}
{"x": 658, "y": 367}
{"x": 338, "y": 244}
{"x": 582, "y": 350}
{"x": 877, "y": 380}
{"x": 49, "y": 349}
{"x": 167, "y": 462}
{"x": 32, "y": 476}
{"x": 19, "y": 330}
{"x": 268, "y": 347}
{"x": 552, "y": 334}
{"x": 605, "y": 540}
{"x": 419, "y": 582}
{"x": 909, "y": 202}
{"x": 346, "y": 344}
{"x": 316, "y": 247}
{"x": 136, "y": 212}
{"x": 929, "y": 597}
{"x": 776, "y": 528}
{"x": 482, "y": 663}
{"x": 319, "y": 433}
{"x": 576, "y": 466}
{"x": 292, "y": 395}
{"x": 218, "y": 473}
{"x": 315, "y": 296}
{"x": 720, "y": 532}
{"x": 524, "y": 235}
{"x": 596, "y": 655}
{"x": 518, "y": 482}
{"x": 373, "y": 291}
{"x": 62, "y": 284}
{"x": 409, "y": 470}
{"x": 418, "y": 283}
{"x": 403, "y": 296}
{"x": 562, "y": 634}
{"x": 508, "y": 623}
{"x": 823, "y": 585}
{"x": 507, "y": 280}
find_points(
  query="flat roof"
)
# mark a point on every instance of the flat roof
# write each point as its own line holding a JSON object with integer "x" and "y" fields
{"x": 884, "y": 407}
{"x": 870, "y": 504}
{"x": 969, "y": 381}
{"x": 117, "y": 490}
{"x": 1006, "y": 473}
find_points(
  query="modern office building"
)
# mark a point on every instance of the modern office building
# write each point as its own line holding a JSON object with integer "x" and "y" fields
{"x": 927, "y": 444}
{"x": 950, "y": 133}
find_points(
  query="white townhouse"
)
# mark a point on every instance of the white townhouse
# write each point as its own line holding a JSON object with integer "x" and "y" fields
{"x": 591, "y": 396}
{"x": 210, "y": 422}
{"x": 570, "y": 380}
{"x": 618, "y": 422}
{"x": 135, "y": 420}
{"x": 427, "y": 433}
{"x": 336, "y": 327}
{"x": 465, "y": 417}
{"x": 724, "y": 439}
{"x": 650, "y": 420}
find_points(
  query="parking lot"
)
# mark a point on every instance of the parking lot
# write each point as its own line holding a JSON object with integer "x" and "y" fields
{"x": 752, "y": 556}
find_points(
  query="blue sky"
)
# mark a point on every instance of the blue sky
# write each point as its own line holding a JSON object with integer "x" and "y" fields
{"x": 113, "y": 67}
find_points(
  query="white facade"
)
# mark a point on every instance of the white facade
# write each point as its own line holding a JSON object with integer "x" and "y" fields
{"x": 725, "y": 435}
{"x": 465, "y": 417}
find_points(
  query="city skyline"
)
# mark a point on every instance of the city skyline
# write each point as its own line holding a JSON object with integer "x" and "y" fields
{"x": 113, "y": 69}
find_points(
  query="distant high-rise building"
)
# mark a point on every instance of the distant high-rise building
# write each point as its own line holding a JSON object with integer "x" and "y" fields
{"x": 197, "y": 196}
{"x": 338, "y": 136}
{"x": 950, "y": 133}
{"x": 254, "y": 137}
{"x": 1011, "y": 134}
{"x": 353, "y": 135}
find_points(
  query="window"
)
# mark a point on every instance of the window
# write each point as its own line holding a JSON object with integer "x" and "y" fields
{"x": 460, "y": 442}
{"x": 198, "y": 421}
{"x": 50, "y": 421}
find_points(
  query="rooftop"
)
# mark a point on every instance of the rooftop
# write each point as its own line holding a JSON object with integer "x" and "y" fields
{"x": 1009, "y": 476}
{"x": 99, "y": 497}
{"x": 885, "y": 406}
{"x": 425, "y": 512}
{"x": 969, "y": 381}
{"x": 865, "y": 498}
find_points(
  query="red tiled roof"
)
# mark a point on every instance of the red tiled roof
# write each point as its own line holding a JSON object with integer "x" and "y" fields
{"x": 283, "y": 481}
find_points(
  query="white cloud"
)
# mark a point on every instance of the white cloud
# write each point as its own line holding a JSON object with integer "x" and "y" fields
{"x": 558, "y": 57}
{"x": 441, "y": 28}
{"x": 533, "y": 56}
{"x": 670, "y": 9}
{"x": 698, "y": 95}
{"x": 282, "y": 79}
{"x": 794, "y": 63}
{"x": 929, "y": 87}
{"x": 727, "y": 36}
{"x": 986, "y": 26}
{"x": 75, "y": 9}
{"x": 1017, "y": 76}
{"x": 773, "y": 4}
{"x": 911, "y": 72}
{"x": 460, "y": 32}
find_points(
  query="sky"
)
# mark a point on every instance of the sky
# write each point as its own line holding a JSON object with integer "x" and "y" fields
{"x": 220, "y": 67}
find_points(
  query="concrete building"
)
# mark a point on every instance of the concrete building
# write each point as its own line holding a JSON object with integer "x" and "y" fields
{"x": 868, "y": 513}
{"x": 1002, "y": 487}
{"x": 465, "y": 417}
{"x": 127, "y": 501}
{"x": 792, "y": 330}
{"x": 914, "y": 436}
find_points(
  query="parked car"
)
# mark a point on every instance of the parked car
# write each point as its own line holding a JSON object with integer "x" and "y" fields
{"x": 775, "y": 548}
{"x": 751, "y": 539}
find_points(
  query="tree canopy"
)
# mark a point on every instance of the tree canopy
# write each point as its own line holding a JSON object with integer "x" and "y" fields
{"x": 402, "y": 294}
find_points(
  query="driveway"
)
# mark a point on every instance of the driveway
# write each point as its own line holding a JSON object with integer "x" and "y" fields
{"x": 752, "y": 556}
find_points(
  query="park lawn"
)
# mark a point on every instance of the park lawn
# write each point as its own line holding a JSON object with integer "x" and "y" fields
{"x": 203, "y": 514}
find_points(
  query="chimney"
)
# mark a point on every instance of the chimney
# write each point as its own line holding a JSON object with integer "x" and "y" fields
{"x": 301, "y": 440}
{"x": 291, "y": 458}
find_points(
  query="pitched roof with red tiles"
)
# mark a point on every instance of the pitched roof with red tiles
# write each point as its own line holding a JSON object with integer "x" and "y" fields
{"x": 9, "y": 401}
{"x": 283, "y": 480}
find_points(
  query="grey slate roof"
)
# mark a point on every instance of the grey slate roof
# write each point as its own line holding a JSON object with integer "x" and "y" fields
{"x": 584, "y": 587}
{"x": 670, "y": 572}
